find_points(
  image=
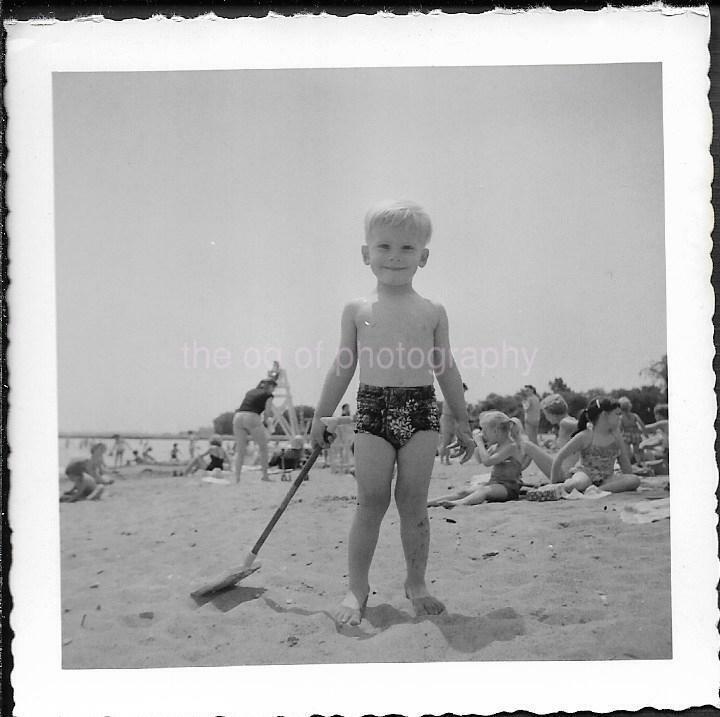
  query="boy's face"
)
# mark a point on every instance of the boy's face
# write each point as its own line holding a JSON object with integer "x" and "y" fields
{"x": 394, "y": 254}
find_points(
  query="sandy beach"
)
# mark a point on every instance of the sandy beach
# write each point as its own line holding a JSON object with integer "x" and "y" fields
{"x": 566, "y": 580}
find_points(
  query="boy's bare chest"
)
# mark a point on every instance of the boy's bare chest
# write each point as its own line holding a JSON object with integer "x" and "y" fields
{"x": 411, "y": 323}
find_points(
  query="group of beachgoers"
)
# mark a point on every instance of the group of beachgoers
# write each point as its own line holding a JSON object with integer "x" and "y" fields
{"x": 607, "y": 434}
{"x": 250, "y": 423}
{"x": 398, "y": 424}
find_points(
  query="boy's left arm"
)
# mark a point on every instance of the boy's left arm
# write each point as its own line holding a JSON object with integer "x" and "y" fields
{"x": 450, "y": 382}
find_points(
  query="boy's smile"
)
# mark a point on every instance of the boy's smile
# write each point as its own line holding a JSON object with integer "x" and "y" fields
{"x": 394, "y": 254}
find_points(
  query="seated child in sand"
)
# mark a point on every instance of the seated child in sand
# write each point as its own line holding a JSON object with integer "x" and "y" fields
{"x": 217, "y": 455}
{"x": 86, "y": 476}
{"x": 498, "y": 445}
{"x": 600, "y": 445}
{"x": 401, "y": 342}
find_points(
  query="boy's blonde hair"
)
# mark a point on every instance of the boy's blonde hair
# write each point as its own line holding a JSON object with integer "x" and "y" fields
{"x": 554, "y": 404}
{"x": 399, "y": 213}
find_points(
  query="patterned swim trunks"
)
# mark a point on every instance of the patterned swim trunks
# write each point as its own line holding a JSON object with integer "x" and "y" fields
{"x": 396, "y": 413}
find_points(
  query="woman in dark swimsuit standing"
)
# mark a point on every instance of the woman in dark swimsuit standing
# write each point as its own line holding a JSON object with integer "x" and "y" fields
{"x": 247, "y": 425}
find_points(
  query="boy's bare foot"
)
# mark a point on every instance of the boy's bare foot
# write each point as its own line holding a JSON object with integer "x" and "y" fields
{"x": 351, "y": 610}
{"x": 423, "y": 602}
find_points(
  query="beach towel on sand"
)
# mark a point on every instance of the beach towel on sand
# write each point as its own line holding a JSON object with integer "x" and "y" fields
{"x": 216, "y": 479}
{"x": 591, "y": 493}
{"x": 646, "y": 511}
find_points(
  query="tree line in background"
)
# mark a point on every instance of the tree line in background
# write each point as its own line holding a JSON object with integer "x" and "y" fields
{"x": 643, "y": 399}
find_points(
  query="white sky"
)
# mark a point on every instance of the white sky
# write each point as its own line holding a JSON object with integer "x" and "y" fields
{"x": 224, "y": 209}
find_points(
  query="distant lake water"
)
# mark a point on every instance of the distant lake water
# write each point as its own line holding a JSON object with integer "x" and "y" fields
{"x": 71, "y": 448}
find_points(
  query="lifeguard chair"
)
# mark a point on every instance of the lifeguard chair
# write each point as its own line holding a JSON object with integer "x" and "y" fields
{"x": 282, "y": 404}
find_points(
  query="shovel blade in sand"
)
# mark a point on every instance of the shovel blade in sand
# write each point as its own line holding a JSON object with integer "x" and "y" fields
{"x": 226, "y": 581}
{"x": 247, "y": 568}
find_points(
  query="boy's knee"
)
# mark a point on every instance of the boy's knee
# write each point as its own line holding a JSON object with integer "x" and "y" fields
{"x": 377, "y": 501}
{"x": 411, "y": 504}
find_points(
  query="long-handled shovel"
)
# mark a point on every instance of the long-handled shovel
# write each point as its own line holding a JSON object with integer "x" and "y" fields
{"x": 247, "y": 568}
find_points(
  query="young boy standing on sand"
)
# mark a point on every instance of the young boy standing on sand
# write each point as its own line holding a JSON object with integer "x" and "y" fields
{"x": 401, "y": 342}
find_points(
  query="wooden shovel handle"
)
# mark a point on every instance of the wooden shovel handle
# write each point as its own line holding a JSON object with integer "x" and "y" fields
{"x": 281, "y": 508}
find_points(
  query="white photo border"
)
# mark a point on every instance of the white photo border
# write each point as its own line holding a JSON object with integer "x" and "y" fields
{"x": 678, "y": 39}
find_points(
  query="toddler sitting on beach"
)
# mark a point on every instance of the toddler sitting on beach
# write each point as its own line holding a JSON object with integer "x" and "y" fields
{"x": 498, "y": 445}
{"x": 86, "y": 476}
{"x": 401, "y": 342}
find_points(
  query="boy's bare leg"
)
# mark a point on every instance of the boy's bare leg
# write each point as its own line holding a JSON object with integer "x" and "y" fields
{"x": 415, "y": 462}
{"x": 374, "y": 463}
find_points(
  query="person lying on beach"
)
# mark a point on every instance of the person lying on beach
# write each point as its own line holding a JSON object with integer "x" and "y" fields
{"x": 86, "y": 476}
{"x": 289, "y": 458}
{"x": 216, "y": 454}
{"x": 397, "y": 423}
{"x": 499, "y": 446}
{"x": 600, "y": 445}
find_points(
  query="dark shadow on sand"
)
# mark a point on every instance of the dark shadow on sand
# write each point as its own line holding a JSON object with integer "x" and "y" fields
{"x": 462, "y": 633}
{"x": 471, "y": 634}
{"x": 226, "y": 600}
